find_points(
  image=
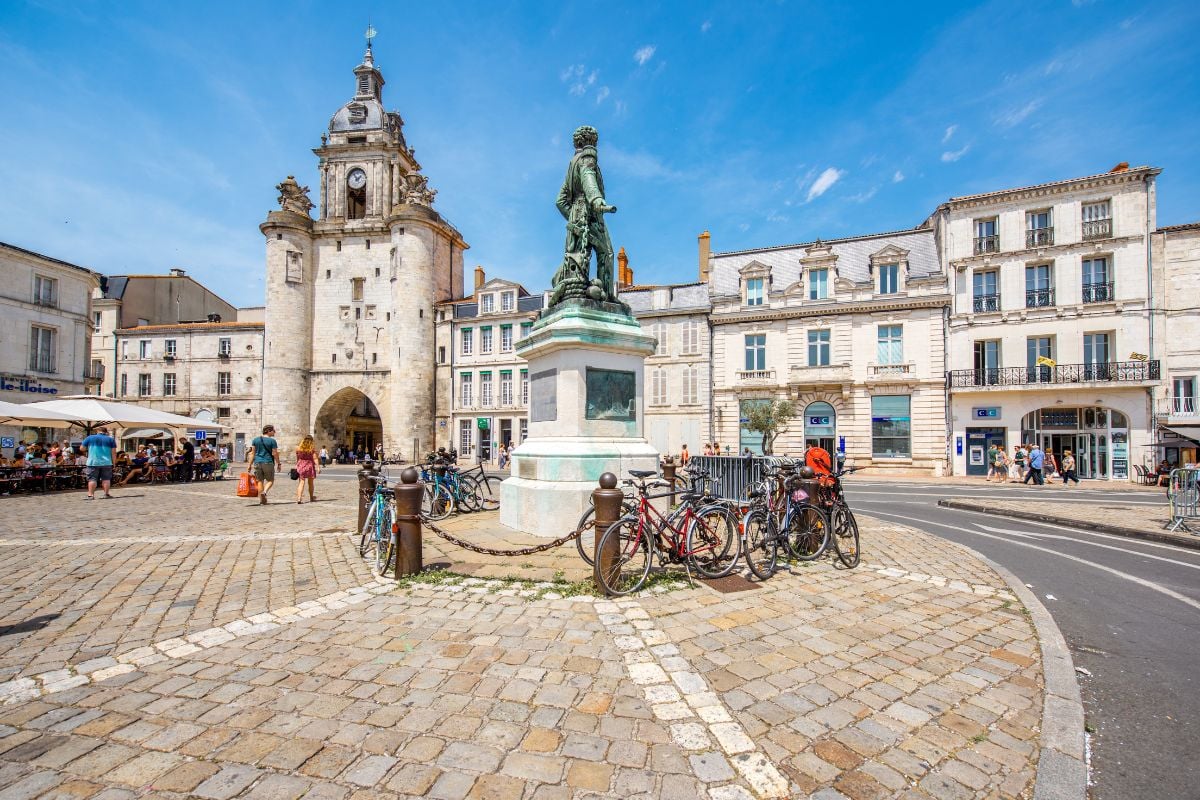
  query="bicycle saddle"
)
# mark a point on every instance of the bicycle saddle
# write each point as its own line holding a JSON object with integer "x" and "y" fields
{"x": 642, "y": 473}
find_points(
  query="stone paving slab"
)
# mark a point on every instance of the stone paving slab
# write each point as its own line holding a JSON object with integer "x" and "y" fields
{"x": 1137, "y": 522}
{"x": 917, "y": 675}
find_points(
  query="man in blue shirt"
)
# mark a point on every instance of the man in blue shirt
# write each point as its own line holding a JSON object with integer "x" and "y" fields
{"x": 263, "y": 456}
{"x": 99, "y": 449}
{"x": 1037, "y": 460}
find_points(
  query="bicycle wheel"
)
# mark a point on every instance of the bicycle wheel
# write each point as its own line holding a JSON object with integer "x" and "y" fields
{"x": 384, "y": 551}
{"x": 364, "y": 540}
{"x": 489, "y": 499}
{"x": 808, "y": 533}
{"x": 585, "y": 542}
{"x": 436, "y": 503}
{"x": 845, "y": 535}
{"x": 761, "y": 546}
{"x": 468, "y": 493}
{"x": 713, "y": 544}
{"x": 628, "y": 570}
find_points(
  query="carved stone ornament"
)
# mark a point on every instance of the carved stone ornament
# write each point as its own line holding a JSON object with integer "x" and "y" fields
{"x": 294, "y": 197}
{"x": 416, "y": 190}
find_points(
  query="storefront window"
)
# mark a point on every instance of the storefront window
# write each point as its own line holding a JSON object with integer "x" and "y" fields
{"x": 891, "y": 426}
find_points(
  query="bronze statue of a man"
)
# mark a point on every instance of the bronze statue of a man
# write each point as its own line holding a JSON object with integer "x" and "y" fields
{"x": 581, "y": 201}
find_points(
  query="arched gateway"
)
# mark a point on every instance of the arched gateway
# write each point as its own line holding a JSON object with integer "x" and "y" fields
{"x": 348, "y": 419}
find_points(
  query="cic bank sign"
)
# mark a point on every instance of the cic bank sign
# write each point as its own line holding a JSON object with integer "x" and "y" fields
{"x": 28, "y": 385}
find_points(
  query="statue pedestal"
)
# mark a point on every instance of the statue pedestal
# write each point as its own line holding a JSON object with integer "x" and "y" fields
{"x": 585, "y": 414}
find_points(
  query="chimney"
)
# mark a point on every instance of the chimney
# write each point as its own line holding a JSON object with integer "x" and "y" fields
{"x": 479, "y": 278}
{"x": 705, "y": 242}
{"x": 1122, "y": 167}
{"x": 624, "y": 273}
{"x": 176, "y": 272}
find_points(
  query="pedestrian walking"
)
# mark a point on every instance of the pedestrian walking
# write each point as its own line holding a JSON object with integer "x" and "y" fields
{"x": 1051, "y": 466}
{"x": 1019, "y": 459}
{"x": 263, "y": 457}
{"x": 684, "y": 457}
{"x": 1001, "y": 466}
{"x": 324, "y": 457}
{"x": 187, "y": 459}
{"x": 991, "y": 461}
{"x": 1037, "y": 460}
{"x": 99, "y": 448}
{"x": 307, "y": 469}
{"x": 1068, "y": 468}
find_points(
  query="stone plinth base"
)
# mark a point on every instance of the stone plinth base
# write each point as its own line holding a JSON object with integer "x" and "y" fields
{"x": 552, "y": 479}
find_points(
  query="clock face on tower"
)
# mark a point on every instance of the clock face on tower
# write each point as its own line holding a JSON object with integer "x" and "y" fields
{"x": 357, "y": 179}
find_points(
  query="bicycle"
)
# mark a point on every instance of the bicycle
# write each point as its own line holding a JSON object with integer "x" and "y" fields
{"x": 378, "y": 530}
{"x": 489, "y": 499}
{"x": 841, "y": 519}
{"x": 781, "y": 516}
{"x": 699, "y": 537}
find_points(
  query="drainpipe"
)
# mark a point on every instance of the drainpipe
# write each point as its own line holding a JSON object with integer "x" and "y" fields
{"x": 1150, "y": 297}
{"x": 712, "y": 434}
{"x": 946, "y": 388}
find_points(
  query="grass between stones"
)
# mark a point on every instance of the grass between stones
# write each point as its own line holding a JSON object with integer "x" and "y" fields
{"x": 556, "y": 589}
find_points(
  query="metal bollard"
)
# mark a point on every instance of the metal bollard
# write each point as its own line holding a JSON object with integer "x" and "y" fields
{"x": 607, "y": 500}
{"x": 367, "y": 470}
{"x": 668, "y": 470}
{"x": 408, "y": 524}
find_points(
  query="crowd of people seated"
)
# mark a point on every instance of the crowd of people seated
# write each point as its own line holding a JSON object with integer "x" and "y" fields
{"x": 59, "y": 465}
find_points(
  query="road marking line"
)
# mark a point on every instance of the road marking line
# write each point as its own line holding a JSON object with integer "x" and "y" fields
{"x": 1084, "y": 541}
{"x": 1123, "y": 575}
{"x": 1039, "y": 496}
{"x": 1127, "y": 539}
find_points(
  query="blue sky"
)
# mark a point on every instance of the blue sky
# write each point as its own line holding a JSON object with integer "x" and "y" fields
{"x": 142, "y": 137}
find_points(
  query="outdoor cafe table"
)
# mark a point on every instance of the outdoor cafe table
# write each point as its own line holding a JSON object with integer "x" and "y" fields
{"x": 42, "y": 476}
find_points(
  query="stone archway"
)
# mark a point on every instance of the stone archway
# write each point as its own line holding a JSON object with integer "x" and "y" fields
{"x": 349, "y": 419}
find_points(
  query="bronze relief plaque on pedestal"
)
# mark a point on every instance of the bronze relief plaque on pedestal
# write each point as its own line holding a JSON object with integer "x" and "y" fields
{"x": 611, "y": 395}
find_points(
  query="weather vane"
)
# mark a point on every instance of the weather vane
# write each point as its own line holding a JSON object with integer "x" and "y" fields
{"x": 371, "y": 34}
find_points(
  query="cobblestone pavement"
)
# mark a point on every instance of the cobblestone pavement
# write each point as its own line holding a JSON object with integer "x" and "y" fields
{"x": 915, "y": 676}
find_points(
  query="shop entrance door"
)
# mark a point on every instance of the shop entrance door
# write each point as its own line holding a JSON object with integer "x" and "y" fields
{"x": 979, "y": 441}
{"x": 1083, "y": 455}
{"x": 505, "y": 432}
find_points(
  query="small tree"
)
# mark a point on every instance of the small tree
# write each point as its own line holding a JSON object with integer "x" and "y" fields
{"x": 770, "y": 418}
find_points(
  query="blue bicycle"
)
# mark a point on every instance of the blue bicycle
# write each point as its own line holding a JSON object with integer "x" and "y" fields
{"x": 377, "y": 541}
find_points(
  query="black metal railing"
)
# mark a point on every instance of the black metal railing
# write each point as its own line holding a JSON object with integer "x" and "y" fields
{"x": 986, "y": 302}
{"x": 1097, "y": 229}
{"x": 987, "y": 244}
{"x": 1115, "y": 371}
{"x": 1098, "y": 292}
{"x": 1039, "y": 237}
{"x": 1038, "y": 298}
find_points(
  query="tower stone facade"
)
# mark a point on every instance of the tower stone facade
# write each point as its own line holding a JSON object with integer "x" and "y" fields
{"x": 350, "y": 295}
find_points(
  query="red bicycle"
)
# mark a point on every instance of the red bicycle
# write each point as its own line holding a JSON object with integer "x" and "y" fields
{"x": 701, "y": 533}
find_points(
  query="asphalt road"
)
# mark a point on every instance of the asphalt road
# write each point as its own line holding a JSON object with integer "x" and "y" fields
{"x": 1130, "y": 612}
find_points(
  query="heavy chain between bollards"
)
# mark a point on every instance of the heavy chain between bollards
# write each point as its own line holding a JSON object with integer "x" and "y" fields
{"x": 487, "y": 551}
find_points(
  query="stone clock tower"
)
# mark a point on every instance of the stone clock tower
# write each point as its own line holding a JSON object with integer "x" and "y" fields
{"x": 351, "y": 294}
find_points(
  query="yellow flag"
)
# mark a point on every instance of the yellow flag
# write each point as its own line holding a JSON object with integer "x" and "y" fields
{"x": 1042, "y": 361}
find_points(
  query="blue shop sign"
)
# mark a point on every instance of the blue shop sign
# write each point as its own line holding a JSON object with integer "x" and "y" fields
{"x": 28, "y": 385}
{"x": 985, "y": 412}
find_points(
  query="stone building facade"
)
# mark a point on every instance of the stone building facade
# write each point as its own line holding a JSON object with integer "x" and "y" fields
{"x": 482, "y": 385}
{"x": 848, "y": 329}
{"x": 45, "y": 326}
{"x": 1049, "y": 330}
{"x": 127, "y": 301}
{"x": 1176, "y": 259}
{"x": 350, "y": 295}
{"x": 678, "y": 376}
{"x": 208, "y": 370}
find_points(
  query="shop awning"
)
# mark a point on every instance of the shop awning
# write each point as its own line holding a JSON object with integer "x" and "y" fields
{"x": 1189, "y": 433}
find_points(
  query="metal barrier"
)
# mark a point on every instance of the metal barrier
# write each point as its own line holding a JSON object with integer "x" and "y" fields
{"x": 1183, "y": 490}
{"x": 733, "y": 474}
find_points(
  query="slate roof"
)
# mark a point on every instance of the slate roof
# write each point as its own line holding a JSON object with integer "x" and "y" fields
{"x": 854, "y": 258}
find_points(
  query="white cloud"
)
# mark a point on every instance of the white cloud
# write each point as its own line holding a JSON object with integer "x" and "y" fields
{"x": 863, "y": 197}
{"x": 823, "y": 183}
{"x": 602, "y": 94}
{"x": 951, "y": 156}
{"x": 644, "y": 54}
{"x": 949, "y": 133}
{"x": 1015, "y": 116}
{"x": 897, "y": 176}
{"x": 744, "y": 226}
{"x": 579, "y": 78}
{"x": 706, "y": 26}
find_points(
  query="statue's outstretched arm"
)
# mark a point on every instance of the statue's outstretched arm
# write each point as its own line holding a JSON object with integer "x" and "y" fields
{"x": 591, "y": 187}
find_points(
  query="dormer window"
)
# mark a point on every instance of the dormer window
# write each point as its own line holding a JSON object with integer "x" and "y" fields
{"x": 755, "y": 291}
{"x": 487, "y": 303}
{"x": 506, "y": 301}
{"x": 358, "y": 113}
{"x": 889, "y": 278}
{"x": 818, "y": 284}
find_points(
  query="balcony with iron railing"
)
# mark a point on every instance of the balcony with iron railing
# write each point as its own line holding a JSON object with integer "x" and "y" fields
{"x": 1136, "y": 372}
{"x": 755, "y": 376}
{"x": 1183, "y": 407}
{"x": 1039, "y": 237}
{"x": 1039, "y": 298}
{"x": 1097, "y": 229}
{"x": 987, "y": 244}
{"x": 1098, "y": 292}
{"x": 984, "y": 303}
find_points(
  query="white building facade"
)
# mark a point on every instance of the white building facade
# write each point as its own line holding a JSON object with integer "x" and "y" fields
{"x": 350, "y": 295}
{"x": 851, "y": 331}
{"x": 483, "y": 386}
{"x": 208, "y": 370}
{"x": 45, "y": 327}
{"x": 1177, "y": 282}
{"x": 1049, "y": 329}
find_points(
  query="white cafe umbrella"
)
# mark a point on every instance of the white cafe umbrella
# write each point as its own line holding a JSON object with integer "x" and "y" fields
{"x": 146, "y": 433}
{"x": 93, "y": 411}
{"x": 30, "y": 414}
